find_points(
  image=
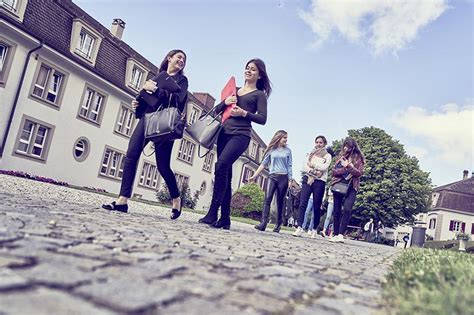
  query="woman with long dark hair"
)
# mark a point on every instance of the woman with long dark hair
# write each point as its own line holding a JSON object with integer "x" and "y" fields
{"x": 173, "y": 64}
{"x": 234, "y": 138}
{"x": 348, "y": 168}
{"x": 278, "y": 157}
{"x": 316, "y": 170}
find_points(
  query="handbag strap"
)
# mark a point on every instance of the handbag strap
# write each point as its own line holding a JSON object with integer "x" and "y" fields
{"x": 199, "y": 152}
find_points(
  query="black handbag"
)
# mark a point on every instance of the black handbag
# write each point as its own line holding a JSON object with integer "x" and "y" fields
{"x": 206, "y": 129}
{"x": 341, "y": 188}
{"x": 165, "y": 124}
{"x": 165, "y": 83}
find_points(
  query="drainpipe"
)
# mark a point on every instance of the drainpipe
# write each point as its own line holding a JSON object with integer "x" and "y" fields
{"x": 17, "y": 96}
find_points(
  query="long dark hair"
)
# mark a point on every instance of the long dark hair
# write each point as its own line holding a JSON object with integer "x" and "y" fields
{"x": 355, "y": 152}
{"x": 263, "y": 83}
{"x": 164, "y": 63}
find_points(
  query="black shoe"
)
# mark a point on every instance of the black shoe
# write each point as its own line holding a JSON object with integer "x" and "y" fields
{"x": 277, "y": 228}
{"x": 207, "y": 220}
{"x": 261, "y": 227}
{"x": 219, "y": 224}
{"x": 175, "y": 213}
{"x": 115, "y": 207}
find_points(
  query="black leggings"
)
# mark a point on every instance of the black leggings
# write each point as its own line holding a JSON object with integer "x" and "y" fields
{"x": 229, "y": 149}
{"x": 340, "y": 226}
{"x": 278, "y": 183}
{"x": 163, "y": 159}
{"x": 317, "y": 188}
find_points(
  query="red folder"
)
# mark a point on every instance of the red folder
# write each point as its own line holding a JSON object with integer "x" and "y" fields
{"x": 229, "y": 90}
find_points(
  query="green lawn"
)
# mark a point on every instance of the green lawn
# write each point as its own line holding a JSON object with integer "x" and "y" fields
{"x": 431, "y": 281}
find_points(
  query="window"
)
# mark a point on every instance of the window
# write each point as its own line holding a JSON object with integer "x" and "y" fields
{"x": 112, "y": 164}
{"x": 10, "y": 5}
{"x": 432, "y": 224}
{"x": 149, "y": 176}
{"x": 253, "y": 150}
{"x": 472, "y": 228}
{"x": 434, "y": 199}
{"x": 136, "y": 74}
{"x": 48, "y": 84}
{"x": 85, "y": 44}
{"x": 7, "y": 51}
{"x": 34, "y": 138}
{"x": 457, "y": 226}
{"x": 181, "y": 180}
{"x": 262, "y": 182}
{"x": 125, "y": 121}
{"x": 202, "y": 189}
{"x": 85, "y": 41}
{"x": 193, "y": 115}
{"x": 247, "y": 173}
{"x": 260, "y": 157}
{"x": 3, "y": 55}
{"x": 81, "y": 149}
{"x": 92, "y": 105}
{"x": 186, "y": 151}
{"x": 208, "y": 160}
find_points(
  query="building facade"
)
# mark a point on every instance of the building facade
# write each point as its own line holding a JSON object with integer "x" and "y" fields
{"x": 66, "y": 84}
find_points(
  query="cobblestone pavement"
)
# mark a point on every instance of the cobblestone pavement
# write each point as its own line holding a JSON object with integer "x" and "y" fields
{"x": 61, "y": 254}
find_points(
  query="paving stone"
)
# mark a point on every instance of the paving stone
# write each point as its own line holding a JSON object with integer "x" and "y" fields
{"x": 62, "y": 252}
{"x": 46, "y": 301}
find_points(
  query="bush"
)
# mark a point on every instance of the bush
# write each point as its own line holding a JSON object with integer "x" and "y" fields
{"x": 164, "y": 197}
{"x": 34, "y": 177}
{"x": 246, "y": 200}
{"x": 430, "y": 281}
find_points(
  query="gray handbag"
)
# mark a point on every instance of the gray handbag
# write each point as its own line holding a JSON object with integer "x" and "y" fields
{"x": 342, "y": 187}
{"x": 206, "y": 129}
{"x": 165, "y": 124}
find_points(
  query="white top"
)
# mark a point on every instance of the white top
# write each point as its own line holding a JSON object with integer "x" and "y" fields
{"x": 318, "y": 164}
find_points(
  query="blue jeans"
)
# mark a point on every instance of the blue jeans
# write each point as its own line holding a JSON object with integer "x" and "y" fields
{"x": 308, "y": 216}
{"x": 328, "y": 216}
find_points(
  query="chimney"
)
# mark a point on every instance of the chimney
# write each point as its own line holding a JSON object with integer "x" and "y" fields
{"x": 206, "y": 99}
{"x": 464, "y": 174}
{"x": 118, "y": 25}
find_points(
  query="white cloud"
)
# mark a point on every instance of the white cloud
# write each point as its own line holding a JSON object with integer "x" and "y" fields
{"x": 386, "y": 25}
{"x": 449, "y": 133}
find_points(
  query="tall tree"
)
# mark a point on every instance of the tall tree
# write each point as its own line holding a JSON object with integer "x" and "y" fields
{"x": 393, "y": 188}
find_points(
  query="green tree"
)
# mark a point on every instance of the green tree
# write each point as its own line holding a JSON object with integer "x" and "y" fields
{"x": 393, "y": 187}
{"x": 163, "y": 196}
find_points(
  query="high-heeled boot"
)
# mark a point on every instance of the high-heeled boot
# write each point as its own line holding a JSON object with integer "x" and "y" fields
{"x": 217, "y": 193}
{"x": 277, "y": 227}
{"x": 264, "y": 220}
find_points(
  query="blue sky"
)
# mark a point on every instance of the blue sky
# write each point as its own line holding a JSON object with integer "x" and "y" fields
{"x": 403, "y": 66}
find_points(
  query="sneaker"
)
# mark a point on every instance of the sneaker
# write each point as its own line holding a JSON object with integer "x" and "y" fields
{"x": 310, "y": 232}
{"x": 332, "y": 239}
{"x": 299, "y": 231}
{"x": 313, "y": 234}
{"x": 323, "y": 234}
{"x": 339, "y": 238}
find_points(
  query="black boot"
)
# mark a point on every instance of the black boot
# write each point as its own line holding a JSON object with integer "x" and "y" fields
{"x": 209, "y": 218}
{"x": 217, "y": 194}
{"x": 264, "y": 220}
{"x": 277, "y": 227}
{"x": 222, "y": 224}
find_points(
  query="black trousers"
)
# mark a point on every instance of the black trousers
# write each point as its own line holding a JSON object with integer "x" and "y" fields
{"x": 317, "y": 189}
{"x": 163, "y": 160}
{"x": 342, "y": 216}
{"x": 229, "y": 149}
{"x": 276, "y": 183}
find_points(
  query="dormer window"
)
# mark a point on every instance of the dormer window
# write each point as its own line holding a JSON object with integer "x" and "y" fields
{"x": 136, "y": 74}
{"x": 15, "y": 8}
{"x": 85, "y": 41}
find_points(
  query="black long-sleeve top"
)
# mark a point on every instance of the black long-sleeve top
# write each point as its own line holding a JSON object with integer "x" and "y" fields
{"x": 177, "y": 99}
{"x": 255, "y": 103}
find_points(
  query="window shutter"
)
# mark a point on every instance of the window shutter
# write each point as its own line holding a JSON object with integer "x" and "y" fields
{"x": 472, "y": 229}
{"x": 451, "y": 225}
{"x": 463, "y": 227}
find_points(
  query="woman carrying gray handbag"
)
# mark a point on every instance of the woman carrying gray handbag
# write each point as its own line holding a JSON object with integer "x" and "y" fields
{"x": 347, "y": 171}
{"x": 173, "y": 64}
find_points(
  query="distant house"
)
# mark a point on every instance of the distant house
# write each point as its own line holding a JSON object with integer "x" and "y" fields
{"x": 452, "y": 210}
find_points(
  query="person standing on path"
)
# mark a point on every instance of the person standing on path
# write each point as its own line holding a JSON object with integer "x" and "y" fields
{"x": 316, "y": 169}
{"x": 348, "y": 168}
{"x": 234, "y": 137}
{"x": 279, "y": 159}
{"x": 173, "y": 64}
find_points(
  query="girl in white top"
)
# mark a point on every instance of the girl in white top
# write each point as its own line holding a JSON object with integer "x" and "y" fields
{"x": 316, "y": 170}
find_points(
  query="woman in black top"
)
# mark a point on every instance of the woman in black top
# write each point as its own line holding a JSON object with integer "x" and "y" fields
{"x": 173, "y": 64}
{"x": 234, "y": 137}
